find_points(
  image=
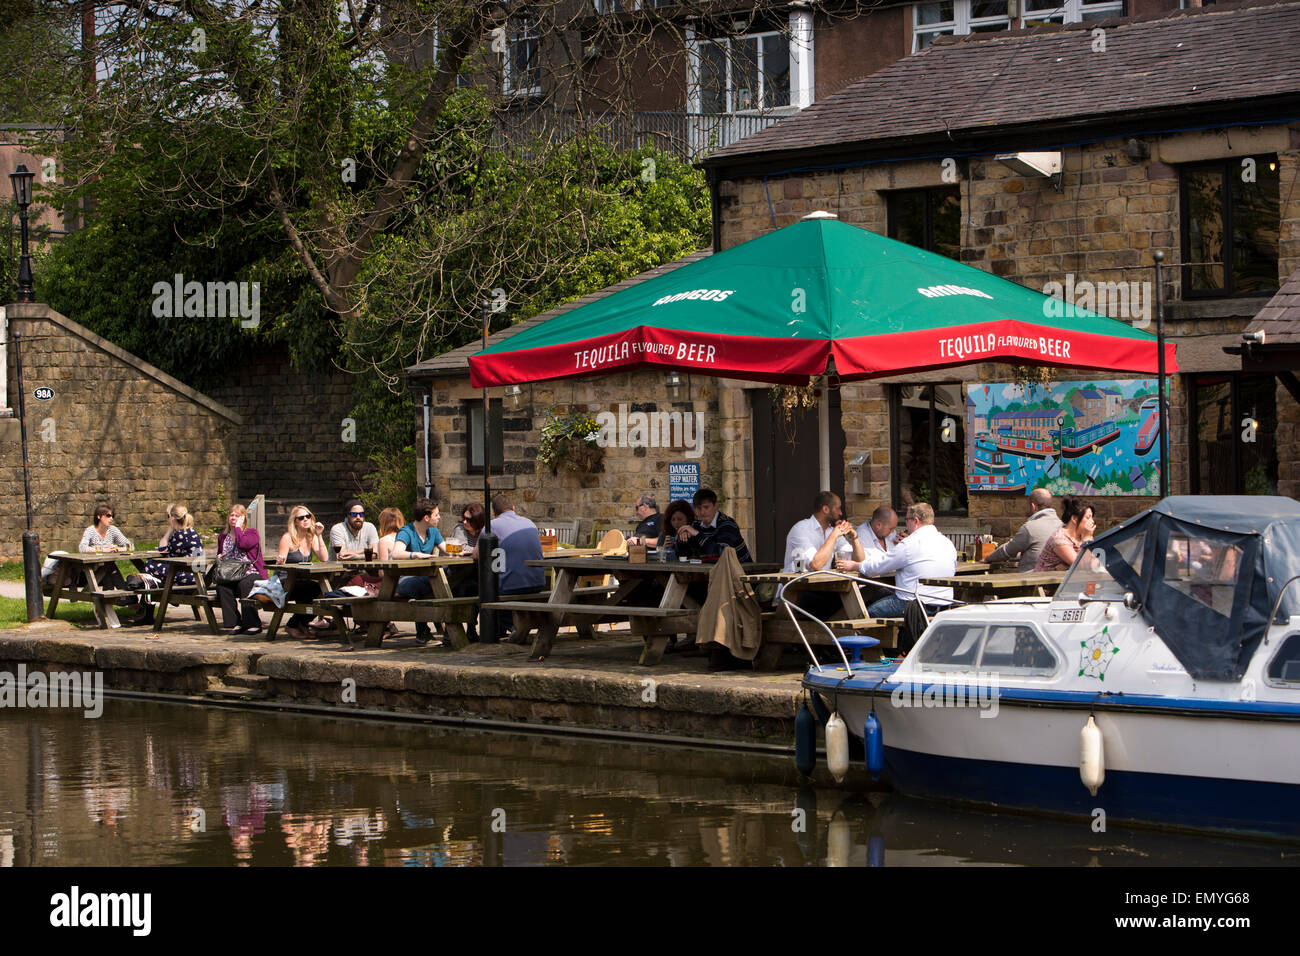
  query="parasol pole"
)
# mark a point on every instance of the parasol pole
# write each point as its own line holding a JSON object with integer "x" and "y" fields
{"x": 487, "y": 541}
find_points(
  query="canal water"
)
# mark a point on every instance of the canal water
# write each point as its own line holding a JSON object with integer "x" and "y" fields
{"x": 163, "y": 784}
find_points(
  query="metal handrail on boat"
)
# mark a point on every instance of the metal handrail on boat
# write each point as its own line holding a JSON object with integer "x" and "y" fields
{"x": 1272, "y": 617}
{"x": 791, "y": 608}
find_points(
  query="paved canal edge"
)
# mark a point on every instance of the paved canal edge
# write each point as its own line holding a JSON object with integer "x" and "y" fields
{"x": 583, "y": 693}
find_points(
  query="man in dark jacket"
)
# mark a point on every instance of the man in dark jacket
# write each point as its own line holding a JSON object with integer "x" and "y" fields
{"x": 712, "y": 531}
{"x": 649, "y": 522}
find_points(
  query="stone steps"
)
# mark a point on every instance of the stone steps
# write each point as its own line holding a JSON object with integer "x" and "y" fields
{"x": 239, "y": 687}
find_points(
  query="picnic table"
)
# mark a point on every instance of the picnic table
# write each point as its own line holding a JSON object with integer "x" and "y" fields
{"x": 322, "y": 572}
{"x": 975, "y": 588}
{"x": 69, "y": 585}
{"x": 442, "y": 608}
{"x": 677, "y": 612}
{"x": 195, "y": 596}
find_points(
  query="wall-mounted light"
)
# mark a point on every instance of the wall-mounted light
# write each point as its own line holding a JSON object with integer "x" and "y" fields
{"x": 678, "y": 386}
{"x": 516, "y": 398}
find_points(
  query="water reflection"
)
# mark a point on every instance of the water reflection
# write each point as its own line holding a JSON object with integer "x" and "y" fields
{"x": 164, "y": 784}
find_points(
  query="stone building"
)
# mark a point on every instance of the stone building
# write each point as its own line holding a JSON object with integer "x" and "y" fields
{"x": 1068, "y": 179}
{"x": 1030, "y": 154}
{"x": 111, "y": 428}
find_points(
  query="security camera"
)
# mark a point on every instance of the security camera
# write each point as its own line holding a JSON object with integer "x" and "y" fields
{"x": 1254, "y": 338}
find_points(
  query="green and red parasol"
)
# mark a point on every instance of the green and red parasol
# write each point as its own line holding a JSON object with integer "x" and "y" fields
{"x": 781, "y": 307}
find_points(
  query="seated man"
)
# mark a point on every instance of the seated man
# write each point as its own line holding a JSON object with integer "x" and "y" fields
{"x": 711, "y": 532}
{"x": 1033, "y": 534}
{"x": 519, "y": 543}
{"x": 924, "y": 553}
{"x": 649, "y": 522}
{"x": 878, "y": 534}
{"x": 351, "y": 536}
{"x": 814, "y": 543}
{"x": 419, "y": 538}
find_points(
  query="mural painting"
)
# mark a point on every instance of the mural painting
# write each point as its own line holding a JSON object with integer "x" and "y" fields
{"x": 1073, "y": 438}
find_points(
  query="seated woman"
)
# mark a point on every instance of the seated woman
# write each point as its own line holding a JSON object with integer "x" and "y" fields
{"x": 103, "y": 537}
{"x": 179, "y": 541}
{"x": 464, "y": 581}
{"x": 1077, "y": 526}
{"x": 677, "y": 515}
{"x": 468, "y": 528}
{"x": 390, "y": 522}
{"x": 238, "y": 543}
{"x": 305, "y": 537}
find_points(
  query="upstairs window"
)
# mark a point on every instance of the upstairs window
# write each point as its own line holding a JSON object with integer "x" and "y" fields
{"x": 744, "y": 73}
{"x": 929, "y": 219}
{"x": 523, "y": 67}
{"x": 961, "y": 17}
{"x": 1231, "y": 222}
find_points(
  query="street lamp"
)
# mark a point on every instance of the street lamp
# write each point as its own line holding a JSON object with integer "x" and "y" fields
{"x": 487, "y": 541}
{"x": 22, "y": 178}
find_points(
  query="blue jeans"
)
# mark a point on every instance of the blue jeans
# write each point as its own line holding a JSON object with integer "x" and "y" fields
{"x": 892, "y": 606}
{"x": 414, "y": 586}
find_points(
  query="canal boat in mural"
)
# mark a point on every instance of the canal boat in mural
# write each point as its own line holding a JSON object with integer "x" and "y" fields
{"x": 1150, "y": 430}
{"x": 1075, "y": 443}
{"x": 1161, "y": 683}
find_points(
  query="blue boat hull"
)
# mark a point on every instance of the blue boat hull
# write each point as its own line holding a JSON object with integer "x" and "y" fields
{"x": 1200, "y": 803}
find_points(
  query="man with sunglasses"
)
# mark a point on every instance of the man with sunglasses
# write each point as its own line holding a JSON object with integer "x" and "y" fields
{"x": 351, "y": 536}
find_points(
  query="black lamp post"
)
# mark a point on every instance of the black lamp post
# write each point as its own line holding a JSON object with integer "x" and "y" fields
{"x": 487, "y": 541}
{"x": 1163, "y": 405}
{"x": 22, "y": 178}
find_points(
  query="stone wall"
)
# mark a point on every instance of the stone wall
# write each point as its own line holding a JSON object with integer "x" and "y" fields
{"x": 295, "y": 442}
{"x": 117, "y": 430}
{"x": 608, "y": 494}
{"x": 1101, "y": 226}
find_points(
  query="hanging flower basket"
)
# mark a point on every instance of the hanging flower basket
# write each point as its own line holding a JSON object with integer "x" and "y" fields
{"x": 569, "y": 442}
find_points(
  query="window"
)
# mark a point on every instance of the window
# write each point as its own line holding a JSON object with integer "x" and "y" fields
{"x": 474, "y": 436}
{"x": 1284, "y": 668}
{"x": 1203, "y": 569}
{"x": 928, "y": 448}
{"x": 929, "y": 219}
{"x": 961, "y": 17}
{"x": 1005, "y": 648}
{"x": 1231, "y": 221}
{"x": 1232, "y": 435}
{"x": 744, "y": 73}
{"x": 523, "y": 67}
{"x": 1092, "y": 579}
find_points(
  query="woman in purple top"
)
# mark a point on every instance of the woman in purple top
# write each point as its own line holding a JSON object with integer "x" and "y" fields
{"x": 239, "y": 543}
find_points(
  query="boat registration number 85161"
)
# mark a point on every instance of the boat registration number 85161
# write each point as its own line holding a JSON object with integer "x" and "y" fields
{"x": 1066, "y": 615}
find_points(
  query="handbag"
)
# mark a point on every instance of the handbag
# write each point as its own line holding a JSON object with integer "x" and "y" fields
{"x": 230, "y": 570}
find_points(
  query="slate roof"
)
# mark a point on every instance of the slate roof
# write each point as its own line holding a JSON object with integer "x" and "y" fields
{"x": 1279, "y": 320}
{"x": 456, "y": 362}
{"x": 1178, "y": 61}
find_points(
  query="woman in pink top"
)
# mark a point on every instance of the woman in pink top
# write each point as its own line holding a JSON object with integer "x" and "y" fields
{"x": 241, "y": 544}
{"x": 1077, "y": 526}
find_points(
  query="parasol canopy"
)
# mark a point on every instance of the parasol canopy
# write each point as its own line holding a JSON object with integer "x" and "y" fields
{"x": 817, "y": 296}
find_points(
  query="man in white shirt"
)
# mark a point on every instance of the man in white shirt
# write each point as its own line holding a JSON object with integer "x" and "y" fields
{"x": 880, "y": 533}
{"x": 1033, "y": 534}
{"x": 924, "y": 553}
{"x": 813, "y": 541}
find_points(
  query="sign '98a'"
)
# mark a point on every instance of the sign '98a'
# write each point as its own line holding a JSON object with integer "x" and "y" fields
{"x": 44, "y": 393}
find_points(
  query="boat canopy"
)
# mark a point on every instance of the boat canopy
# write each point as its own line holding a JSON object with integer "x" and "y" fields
{"x": 1207, "y": 569}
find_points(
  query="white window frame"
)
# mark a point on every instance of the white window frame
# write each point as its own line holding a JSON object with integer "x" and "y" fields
{"x": 694, "y": 62}
{"x": 518, "y": 31}
{"x": 962, "y": 24}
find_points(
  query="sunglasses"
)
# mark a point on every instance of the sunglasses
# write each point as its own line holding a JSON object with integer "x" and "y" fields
{"x": 356, "y": 514}
{"x": 302, "y": 517}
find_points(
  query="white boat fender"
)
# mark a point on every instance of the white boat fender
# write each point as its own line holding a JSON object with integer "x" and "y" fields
{"x": 1092, "y": 761}
{"x": 837, "y": 747}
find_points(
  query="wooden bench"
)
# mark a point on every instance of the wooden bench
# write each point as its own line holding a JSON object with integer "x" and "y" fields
{"x": 460, "y": 611}
{"x": 655, "y": 625}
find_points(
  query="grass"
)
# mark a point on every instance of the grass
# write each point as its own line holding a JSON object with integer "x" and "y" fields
{"x": 11, "y": 571}
{"x": 13, "y": 613}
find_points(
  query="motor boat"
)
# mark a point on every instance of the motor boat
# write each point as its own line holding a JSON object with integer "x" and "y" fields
{"x": 1150, "y": 430}
{"x": 1160, "y": 685}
